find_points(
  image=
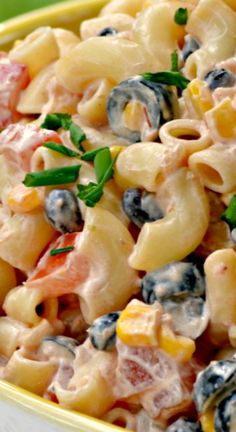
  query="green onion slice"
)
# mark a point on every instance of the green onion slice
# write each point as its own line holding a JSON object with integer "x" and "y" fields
{"x": 229, "y": 214}
{"x": 174, "y": 61}
{"x": 60, "y": 148}
{"x": 54, "y": 252}
{"x": 181, "y": 16}
{"x": 90, "y": 155}
{"x": 169, "y": 78}
{"x": 102, "y": 163}
{"x": 56, "y": 121}
{"x": 77, "y": 136}
{"x": 51, "y": 177}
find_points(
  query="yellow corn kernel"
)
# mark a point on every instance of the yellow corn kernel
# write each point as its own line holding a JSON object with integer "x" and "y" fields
{"x": 134, "y": 116}
{"x": 22, "y": 199}
{"x": 138, "y": 324}
{"x": 223, "y": 119}
{"x": 207, "y": 421}
{"x": 180, "y": 347}
{"x": 115, "y": 150}
{"x": 198, "y": 98}
{"x": 17, "y": 43}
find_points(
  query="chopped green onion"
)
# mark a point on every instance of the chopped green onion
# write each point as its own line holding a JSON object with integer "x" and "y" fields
{"x": 90, "y": 155}
{"x": 104, "y": 168}
{"x": 54, "y": 252}
{"x": 174, "y": 61}
{"x": 90, "y": 193}
{"x": 51, "y": 177}
{"x": 229, "y": 215}
{"x": 60, "y": 148}
{"x": 169, "y": 78}
{"x": 56, "y": 120}
{"x": 181, "y": 16}
{"x": 77, "y": 136}
{"x": 102, "y": 162}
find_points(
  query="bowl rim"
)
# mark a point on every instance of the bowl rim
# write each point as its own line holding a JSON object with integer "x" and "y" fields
{"x": 64, "y": 12}
{"x": 52, "y": 411}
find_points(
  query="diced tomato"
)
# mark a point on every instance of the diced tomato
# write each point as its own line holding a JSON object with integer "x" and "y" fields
{"x": 13, "y": 79}
{"x": 60, "y": 274}
{"x": 18, "y": 143}
{"x": 141, "y": 368}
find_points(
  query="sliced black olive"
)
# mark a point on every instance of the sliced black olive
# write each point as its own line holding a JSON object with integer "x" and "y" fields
{"x": 140, "y": 207}
{"x": 62, "y": 210}
{"x": 225, "y": 412}
{"x": 217, "y": 379}
{"x": 102, "y": 332}
{"x": 173, "y": 281}
{"x": 107, "y": 31}
{"x": 220, "y": 78}
{"x": 190, "y": 46}
{"x": 159, "y": 104}
{"x": 190, "y": 315}
{"x": 184, "y": 425}
{"x": 60, "y": 345}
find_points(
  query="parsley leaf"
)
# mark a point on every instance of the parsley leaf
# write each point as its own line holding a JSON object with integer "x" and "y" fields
{"x": 181, "y": 16}
{"x": 229, "y": 214}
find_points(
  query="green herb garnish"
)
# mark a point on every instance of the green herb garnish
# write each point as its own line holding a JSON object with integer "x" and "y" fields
{"x": 90, "y": 155}
{"x": 77, "y": 136}
{"x": 51, "y": 177}
{"x": 104, "y": 168}
{"x": 181, "y": 16}
{"x": 229, "y": 214}
{"x": 168, "y": 78}
{"x": 60, "y": 148}
{"x": 174, "y": 61}
{"x": 54, "y": 252}
{"x": 56, "y": 121}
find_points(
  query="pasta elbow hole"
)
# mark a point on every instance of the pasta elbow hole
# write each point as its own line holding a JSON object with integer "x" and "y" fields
{"x": 208, "y": 174}
{"x": 185, "y": 134}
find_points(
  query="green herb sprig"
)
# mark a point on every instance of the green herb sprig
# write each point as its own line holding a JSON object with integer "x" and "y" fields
{"x": 52, "y": 177}
{"x": 181, "y": 16}
{"x": 104, "y": 169}
{"x": 229, "y": 214}
{"x": 60, "y": 148}
{"x": 57, "y": 120}
{"x": 54, "y": 252}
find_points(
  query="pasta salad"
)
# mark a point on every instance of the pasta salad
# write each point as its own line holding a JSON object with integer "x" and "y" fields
{"x": 118, "y": 215}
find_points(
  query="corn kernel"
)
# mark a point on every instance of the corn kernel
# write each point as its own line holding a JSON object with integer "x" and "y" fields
{"x": 222, "y": 119}
{"x": 198, "y": 98}
{"x": 139, "y": 324}
{"x": 115, "y": 150}
{"x": 207, "y": 421}
{"x": 22, "y": 199}
{"x": 180, "y": 347}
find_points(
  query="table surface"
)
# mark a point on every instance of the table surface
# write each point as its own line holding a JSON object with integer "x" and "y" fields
{"x": 11, "y": 8}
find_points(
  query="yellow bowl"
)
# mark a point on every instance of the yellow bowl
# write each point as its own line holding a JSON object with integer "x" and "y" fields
{"x": 67, "y": 15}
{"x": 21, "y": 411}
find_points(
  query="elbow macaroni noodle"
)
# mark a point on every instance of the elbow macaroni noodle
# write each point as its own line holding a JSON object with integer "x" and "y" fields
{"x": 103, "y": 310}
